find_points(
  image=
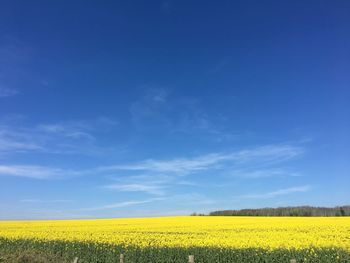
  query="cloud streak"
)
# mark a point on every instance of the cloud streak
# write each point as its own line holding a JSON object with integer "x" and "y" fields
{"x": 162, "y": 173}
{"x": 40, "y": 201}
{"x": 7, "y": 92}
{"x": 184, "y": 166}
{"x": 262, "y": 173}
{"x": 158, "y": 111}
{"x": 153, "y": 189}
{"x": 277, "y": 193}
{"x": 122, "y": 204}
{"x": 36, "y": 172}
{"x": 10, "y": 145}
{"x": 70, "y": 137}
{"x": 150, "y": 184}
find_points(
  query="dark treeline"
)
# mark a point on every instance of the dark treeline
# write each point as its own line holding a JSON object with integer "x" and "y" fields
{"x": 287, "y": 211}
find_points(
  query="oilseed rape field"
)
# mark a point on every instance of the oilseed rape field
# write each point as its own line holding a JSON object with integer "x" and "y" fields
{"x": 172, "y": 239}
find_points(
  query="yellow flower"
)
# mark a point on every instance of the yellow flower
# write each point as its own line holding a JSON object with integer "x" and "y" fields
{"x": 268, "y": 233}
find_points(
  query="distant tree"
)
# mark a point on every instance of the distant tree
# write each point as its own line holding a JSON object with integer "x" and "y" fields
{"x": 287, "y": 211}
{"x": 197, "y": 214}
{"x": 342, "y": 211}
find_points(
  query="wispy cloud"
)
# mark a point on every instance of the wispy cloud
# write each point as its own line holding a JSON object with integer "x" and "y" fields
{"x": 66, "y": 131}
{"x": 7, "y": 92}
{"x": 183, "y": 166}
{"x": 40, "y": 201}
{"x": 122, "y": 204}
{"x": 151, "y": 184}
{"x": 69, "y": 137}
{"x": 163, "y": 175}
{"x": 166, "y": 6}
{"x": 149, "y": 111}
{"x": 180, "y": 166}
{"x": 280, "y": 192}
{"x": 12, "y": 145}
{"x": 183, "y": 199}
{"x": 36, "y": 172}
{"x": 16, "y": 140}
{"x": 77, "y": 129}
{"x": 262, "y": 173}
{"x": 220, "y": 65}
{"x": 146, "y": 188}
{"x": 158, "y": 111}
{"x": 158, "y": 176}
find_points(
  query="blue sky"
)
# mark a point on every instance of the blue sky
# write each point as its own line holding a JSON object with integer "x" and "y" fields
{"x": 150, "y": 108}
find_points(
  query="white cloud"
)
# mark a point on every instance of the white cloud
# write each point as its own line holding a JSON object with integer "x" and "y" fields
{"x": 146, "y": 188}
{"x": 35, "y": 172}
{"x": 162, "y": 175}
{"x": 122, "y": 204}
{"x": 39, "y": 201}
{"x": 183, "y": 166}
{"x": 77, "y": 129}
{"x": 71, "y": 137}
{"x": 66, "y": 131}
{"x": 9, "y": 145}
{"x": 7, "y": 92}
{"x": 159, "y": 95}
{"x": 278, "y": 152}
{"x": 280, "y": 192}
{"x": 155, "y": 184}
{"x": 158, "y": 111}
{"x": 262, "y": 173}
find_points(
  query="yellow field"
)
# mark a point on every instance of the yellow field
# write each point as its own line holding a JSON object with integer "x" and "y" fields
{"x": 233, "y": 233}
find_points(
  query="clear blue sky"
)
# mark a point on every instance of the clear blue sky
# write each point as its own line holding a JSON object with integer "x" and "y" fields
{"x": 147, "y": 108}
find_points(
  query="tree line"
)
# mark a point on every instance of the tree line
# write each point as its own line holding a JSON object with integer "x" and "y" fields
{"x": 286, "y": 211}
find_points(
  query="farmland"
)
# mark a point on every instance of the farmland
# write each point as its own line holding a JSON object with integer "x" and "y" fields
{"x": 172, "y": 239}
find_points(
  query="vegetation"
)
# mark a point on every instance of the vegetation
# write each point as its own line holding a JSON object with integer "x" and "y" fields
{"x": 172, "y": 239}
{"x": 287, "y": 211}
{"x": 24, "y": 256}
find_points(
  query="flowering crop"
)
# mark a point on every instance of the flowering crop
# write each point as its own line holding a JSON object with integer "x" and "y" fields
{"x": 171, "y": 239}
